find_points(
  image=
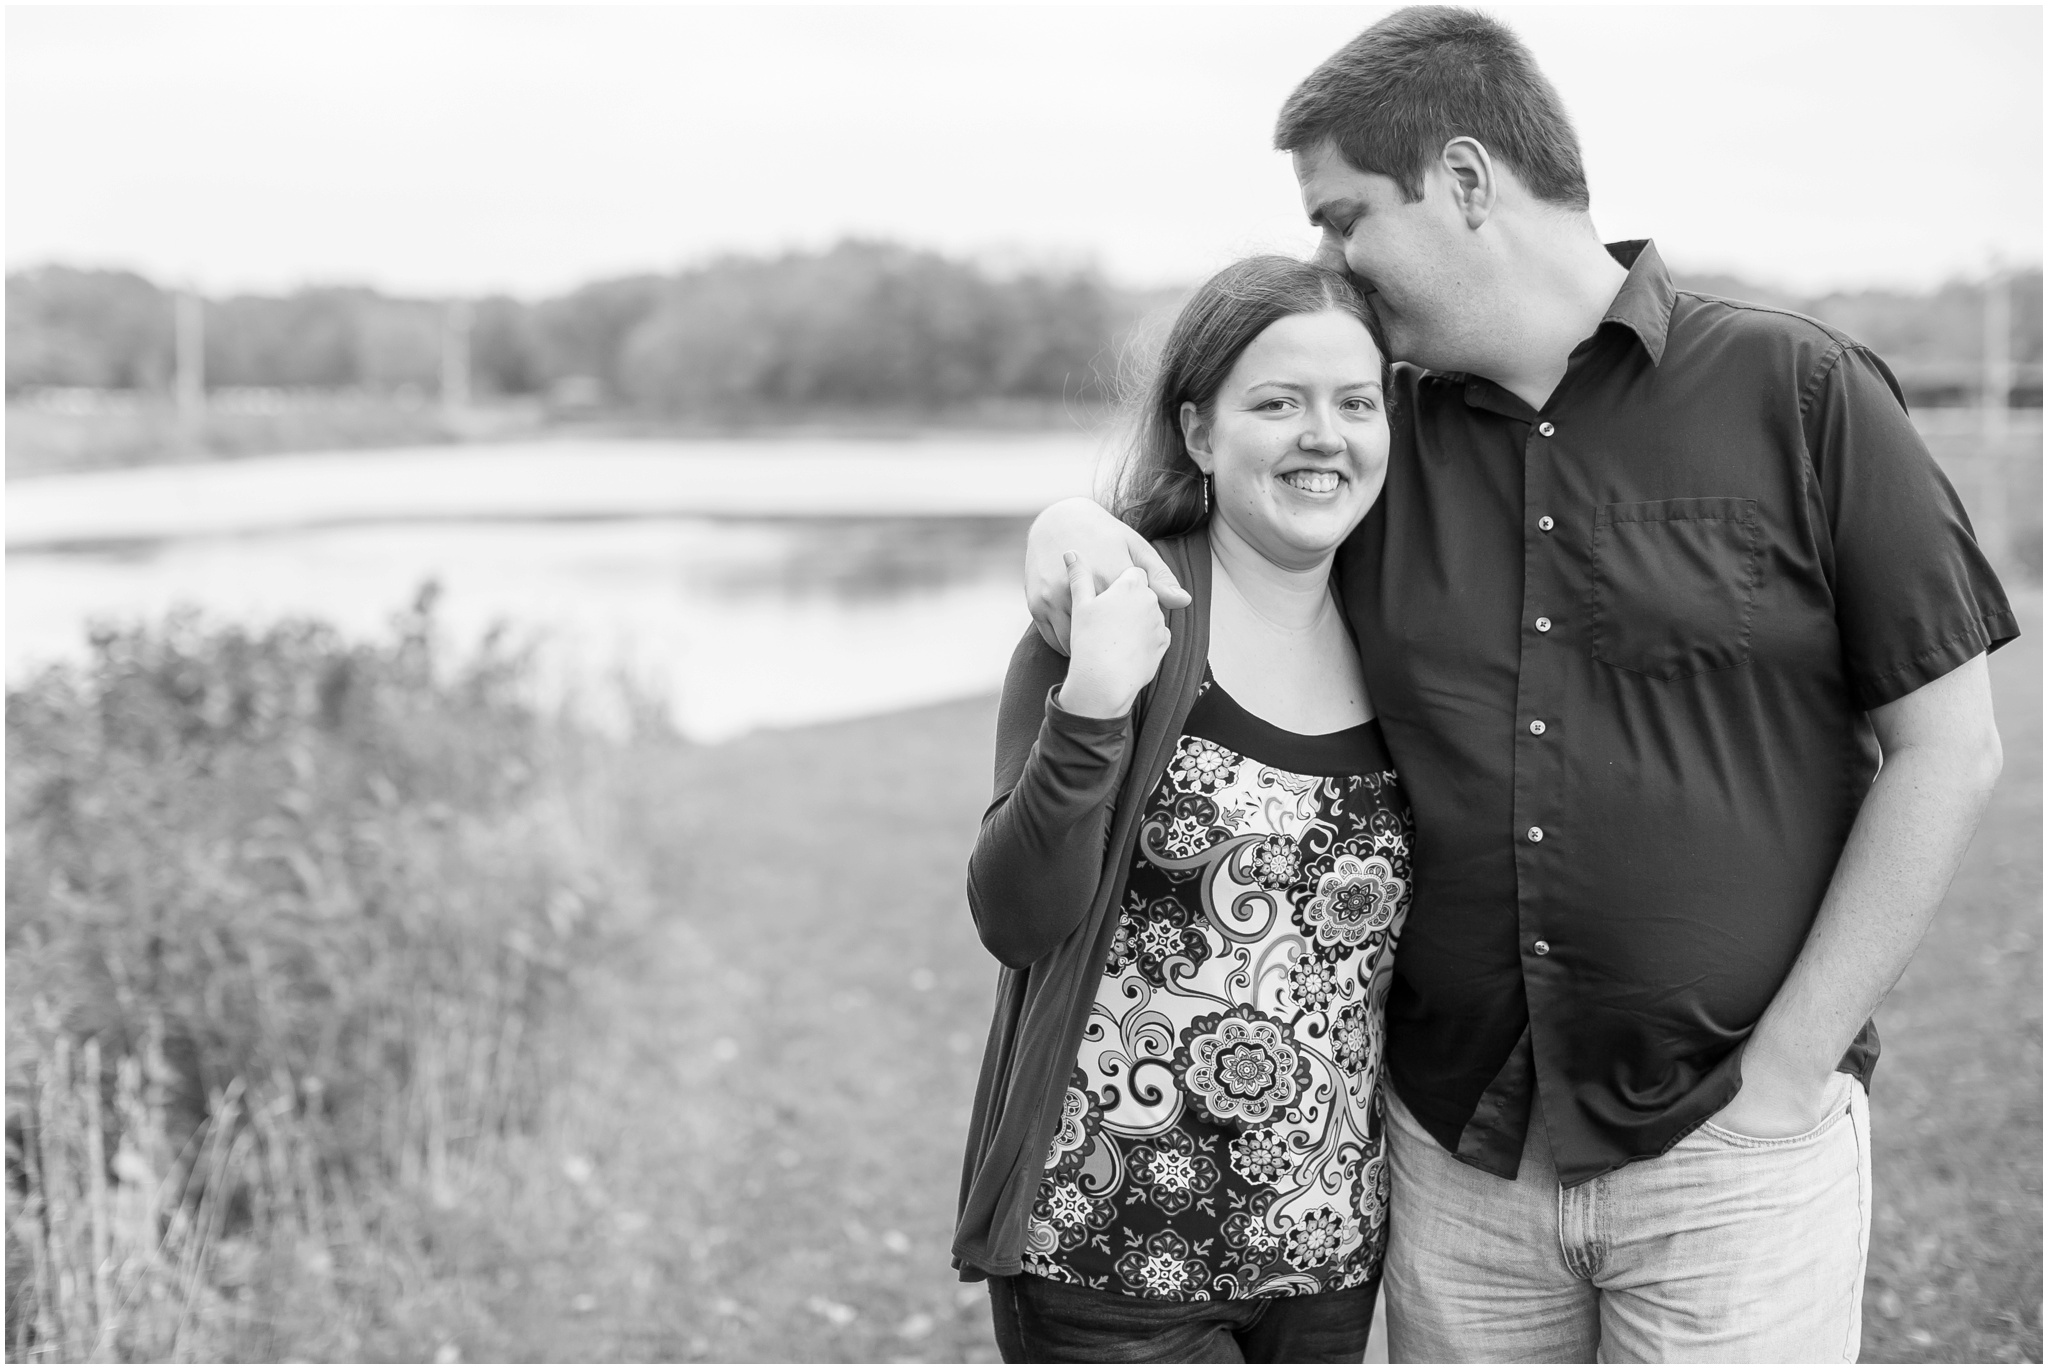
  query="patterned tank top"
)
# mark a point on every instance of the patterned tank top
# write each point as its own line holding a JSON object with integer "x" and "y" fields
{"x": 1222, "y": 1135}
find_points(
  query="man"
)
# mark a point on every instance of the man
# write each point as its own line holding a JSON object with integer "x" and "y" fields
{"x": 1655, "y": 583}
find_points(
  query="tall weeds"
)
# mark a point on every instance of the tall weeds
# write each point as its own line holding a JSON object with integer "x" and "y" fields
{"x": 293, "y": 928}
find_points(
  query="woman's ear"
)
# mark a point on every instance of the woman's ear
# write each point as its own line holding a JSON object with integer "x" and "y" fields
{"x": 1194, "y": 431}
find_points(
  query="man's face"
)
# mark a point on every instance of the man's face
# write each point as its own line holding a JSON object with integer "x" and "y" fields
{"x": 1410, "y": 257}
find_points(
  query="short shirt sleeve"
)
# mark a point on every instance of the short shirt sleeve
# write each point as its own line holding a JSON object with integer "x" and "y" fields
{"x": 1915, "y": 596}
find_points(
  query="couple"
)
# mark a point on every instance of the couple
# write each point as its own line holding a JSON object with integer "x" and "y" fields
{"x": 1559, "y": 659}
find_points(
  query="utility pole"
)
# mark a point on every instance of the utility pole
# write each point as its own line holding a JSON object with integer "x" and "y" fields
{"x": 455, "y": 325}
{"x": 1997, "y": 349}
{"x": 190, "y": 354}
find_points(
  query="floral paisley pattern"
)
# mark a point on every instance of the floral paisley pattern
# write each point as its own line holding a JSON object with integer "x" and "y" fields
{"x": 1069, "y": 1214}
{"x": 1222, "y": 1136}
{"x": 1123, "y": 944}
{"x": 1173, "y": 1172}
{"x": 1312, "y": 982}
{"x": 1351, "y": 1039}
{"x": 1080, "y": 1116}
{"x": 1238, "y": 1066}
{"x": 1316, "y": 1239}
{"x": 1247, "y": 1234}
{"x": 1356, "y": 899}
{"x": 1164, "y": 1267}
{"x": 1151, "y": 937}
{"x": 1193, "y": 824}
{"x": 1275, "y": 863}
{"x": 1200, "y": 766}
{"x": 1261, "y": 1156}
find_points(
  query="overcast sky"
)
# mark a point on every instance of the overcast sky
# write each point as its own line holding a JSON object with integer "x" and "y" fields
{"x": 430, "y": 149}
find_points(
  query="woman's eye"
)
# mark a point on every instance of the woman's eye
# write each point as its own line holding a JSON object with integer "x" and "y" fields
{"x": 1273, "y": 406}
{"x": 1360, "y": 406}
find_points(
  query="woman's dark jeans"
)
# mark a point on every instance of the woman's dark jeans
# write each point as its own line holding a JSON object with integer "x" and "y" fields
{"x": 1041, "y": 1321}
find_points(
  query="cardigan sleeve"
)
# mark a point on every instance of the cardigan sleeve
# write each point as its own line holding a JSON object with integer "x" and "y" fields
{"x": 1038, "y": 861}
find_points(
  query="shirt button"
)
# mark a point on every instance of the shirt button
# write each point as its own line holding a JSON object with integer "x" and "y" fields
{"x": 1545, "y": 429}
{"x": 1543, "y": 625}
{"x": 1542, "y": 948}
{"x": 1546, "y": 522}
{"x": 1535, "y": 834}
{"x": 1537, "y": 727}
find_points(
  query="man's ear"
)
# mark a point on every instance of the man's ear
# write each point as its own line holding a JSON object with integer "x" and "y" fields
{"x": 1194, "y": 430}
{"x": 1475, "y": 189}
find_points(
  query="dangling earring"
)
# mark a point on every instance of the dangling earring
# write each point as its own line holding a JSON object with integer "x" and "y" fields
{"x": 1205, "y": 494}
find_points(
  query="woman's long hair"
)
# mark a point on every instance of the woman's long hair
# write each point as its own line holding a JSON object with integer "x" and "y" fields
{"x": 1158, "y": 486}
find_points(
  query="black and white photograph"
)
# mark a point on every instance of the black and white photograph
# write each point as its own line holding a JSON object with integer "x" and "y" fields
{"x": 1023, "y": 683}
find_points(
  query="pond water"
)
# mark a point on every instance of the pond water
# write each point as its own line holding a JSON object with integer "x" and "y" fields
{"x": 740, "y": 615}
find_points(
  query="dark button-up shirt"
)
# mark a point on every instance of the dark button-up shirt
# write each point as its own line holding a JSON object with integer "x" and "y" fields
{"x": 1622, "y": 651}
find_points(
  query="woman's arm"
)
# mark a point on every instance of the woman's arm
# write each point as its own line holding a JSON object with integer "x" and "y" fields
{"x": 1038, "y": 861}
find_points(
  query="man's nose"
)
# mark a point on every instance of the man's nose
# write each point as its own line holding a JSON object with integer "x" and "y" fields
{"x": 1329, "y": 252}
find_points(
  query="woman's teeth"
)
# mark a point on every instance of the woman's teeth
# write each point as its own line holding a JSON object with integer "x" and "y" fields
{"x": 1312, "y": 482}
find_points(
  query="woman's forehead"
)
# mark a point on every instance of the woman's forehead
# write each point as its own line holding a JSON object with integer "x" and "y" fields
{"x": 1328, "y": 342}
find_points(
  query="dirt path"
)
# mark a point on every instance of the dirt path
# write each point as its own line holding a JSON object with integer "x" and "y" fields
{"x": 759, "y": 1158}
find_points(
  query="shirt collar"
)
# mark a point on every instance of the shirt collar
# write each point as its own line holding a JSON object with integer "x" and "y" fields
{"x": 1643, "y": 304}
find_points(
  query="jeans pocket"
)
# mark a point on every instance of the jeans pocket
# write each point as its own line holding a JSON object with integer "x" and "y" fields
{"x": 1837, "y": 1108}
{"x": 1674, "y": 584}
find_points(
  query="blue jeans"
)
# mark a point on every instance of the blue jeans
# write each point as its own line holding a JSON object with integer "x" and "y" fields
{"x": 1042, "y": 1321}
{"x": 1726, "y": 1248}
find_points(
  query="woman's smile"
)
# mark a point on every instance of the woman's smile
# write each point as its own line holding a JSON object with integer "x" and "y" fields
{"x": 1313, "y": 482}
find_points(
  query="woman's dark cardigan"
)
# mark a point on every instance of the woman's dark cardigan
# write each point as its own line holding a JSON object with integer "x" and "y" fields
{"x": 1044, "y": 883}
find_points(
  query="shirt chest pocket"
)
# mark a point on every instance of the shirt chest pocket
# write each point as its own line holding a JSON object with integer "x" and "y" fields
{"x": 1674, "y": 585}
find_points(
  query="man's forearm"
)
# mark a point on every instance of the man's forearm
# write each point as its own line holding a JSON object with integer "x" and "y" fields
{"x": 1903, "y": 850}
{"x": 1105, "y": 546}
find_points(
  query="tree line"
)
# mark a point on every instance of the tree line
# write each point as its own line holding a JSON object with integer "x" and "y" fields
{"x": 860, "y": 325}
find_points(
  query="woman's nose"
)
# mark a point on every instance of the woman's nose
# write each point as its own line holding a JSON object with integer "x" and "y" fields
{"x": 1321, "y": 434}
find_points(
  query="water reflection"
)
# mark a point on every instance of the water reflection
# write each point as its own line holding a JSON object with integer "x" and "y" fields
{"x": 861, "y": 559}
{"x": 738, "y": 623}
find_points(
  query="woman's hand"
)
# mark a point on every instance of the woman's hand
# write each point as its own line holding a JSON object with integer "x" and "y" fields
{"x": 1104, "y": 545}
{"x": 1118, "y": 637}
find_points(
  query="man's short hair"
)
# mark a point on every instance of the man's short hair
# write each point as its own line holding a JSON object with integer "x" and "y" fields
{"x": 1393, "y": 96}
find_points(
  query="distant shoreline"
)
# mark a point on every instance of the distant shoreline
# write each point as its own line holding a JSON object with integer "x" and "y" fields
{"x": 950, "y": 476}
{"x": 66, "y": 433}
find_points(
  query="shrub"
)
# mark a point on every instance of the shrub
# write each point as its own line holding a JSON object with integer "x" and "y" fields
{"x": 290, "y": 924}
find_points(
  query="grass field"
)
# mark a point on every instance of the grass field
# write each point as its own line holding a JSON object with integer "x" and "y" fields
{"x": 1955, "y": 1251}
{"x": 747, "y": 1138}
{"x": 761, "y": 1156}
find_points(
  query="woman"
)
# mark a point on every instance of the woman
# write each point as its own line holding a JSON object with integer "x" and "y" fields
{"x": 1194, "y": 872}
